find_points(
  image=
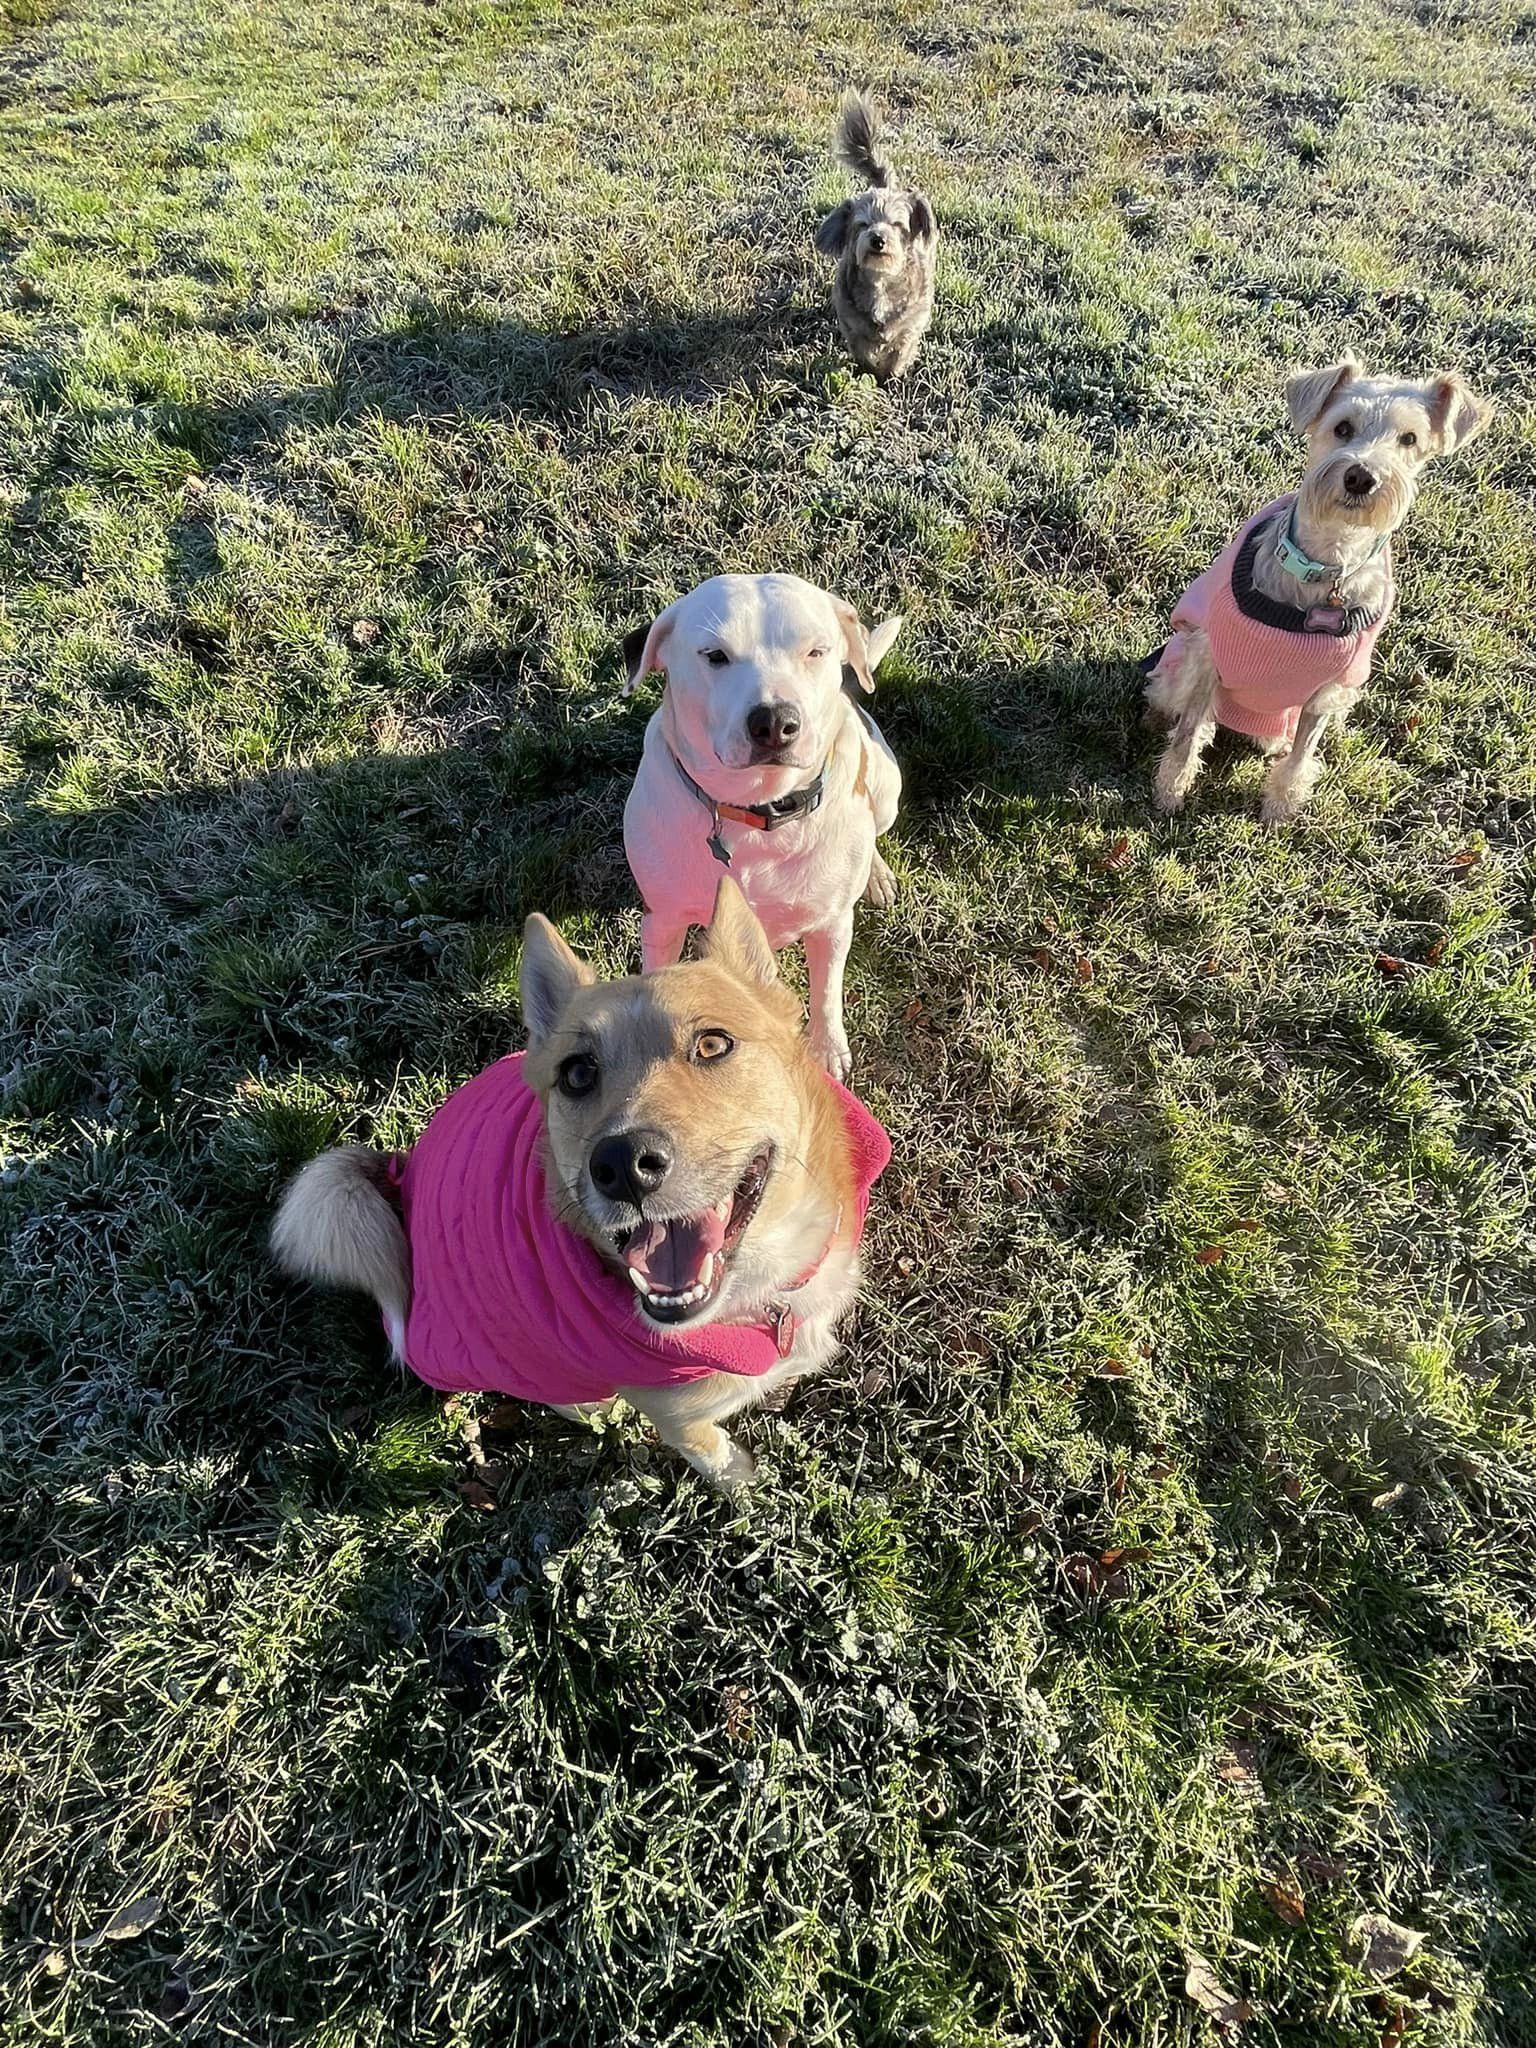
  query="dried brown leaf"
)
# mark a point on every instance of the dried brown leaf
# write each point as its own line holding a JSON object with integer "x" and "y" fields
{"x": 1284, "y": 1901}
{"x": 1212, "y": 1255}
{"x": 1208, "y": 1992}
{"x": 1381, "y": 1947}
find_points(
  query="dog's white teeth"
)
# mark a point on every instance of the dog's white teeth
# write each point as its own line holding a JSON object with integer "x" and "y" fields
{"x": 706, "y": 1274}
{"x": 638, "y": 1279}
{"x": 684, "y": 1300}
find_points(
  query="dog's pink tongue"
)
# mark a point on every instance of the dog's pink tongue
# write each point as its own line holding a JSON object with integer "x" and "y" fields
{"x": 670, "y": 1257}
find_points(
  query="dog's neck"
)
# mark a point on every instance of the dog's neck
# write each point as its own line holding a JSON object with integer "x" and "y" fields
{"x": 1358, "y": 561}
{"x": 759, "y": 783}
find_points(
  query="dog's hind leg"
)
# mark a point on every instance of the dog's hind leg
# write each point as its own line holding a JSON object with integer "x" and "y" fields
{"x": 826, "y": 956}
{"x": 1293, "y": 777}
{"x": 880, "y": 889}
{"x": 1194, "y": 728}
{"x": 661, "y": 940}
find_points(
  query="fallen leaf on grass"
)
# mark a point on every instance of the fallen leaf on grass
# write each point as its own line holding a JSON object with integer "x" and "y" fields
{"x": 1388, "y": 963}
{"x": 1212, "y": 1255}
{"x": 1380, "y": 1947}
{"x": 477, "y": 1494}
{"x": 1468, "y": 857}
{"x": 1108, "y": 1369}
{"x": 736, "y": 1715}
{"x": 1435, "y": 954}
{"x": 1394, "y": 2030}
{"x": 1085, "y": 970}
{"x": 364, "y": 632}
{"x": 1390, "y": 1498}
{"x": 1284, "y": 1901}
{"x": 1118, "y": 856}
{"x": 131, "y": 1920}
{"x": 1239, "y": 1767}
{"x": 1199, "y": 1040}
{"x": 1211, "y": 1995}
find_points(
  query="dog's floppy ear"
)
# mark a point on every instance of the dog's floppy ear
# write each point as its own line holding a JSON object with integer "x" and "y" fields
{"x": 551, "y": 975}
{"x": 833, "y": 232}
{"x": 924, "y": 226}
{"x": 1456, "y": 411}
{"x": 735, "y": 938}
{"x": 1310, "y": 390}
{"x": 883, "y": 639}
{"x": 856, "y": 649}
{"x": 643, "y": 647}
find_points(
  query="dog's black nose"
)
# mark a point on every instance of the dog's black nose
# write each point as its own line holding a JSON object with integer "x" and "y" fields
{"x": 876, "y": 239}
{"x": 630, "y": 1165}
{"x": 1358, "y": 481}
{"x": 772, "y": 725}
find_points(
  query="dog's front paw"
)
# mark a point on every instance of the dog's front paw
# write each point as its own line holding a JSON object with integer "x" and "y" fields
{"x": 833, "y": 1053}
{"x": 881, "y": 887}
{"x": 725, "y": 1464}
{"x": 1282, "y": 806}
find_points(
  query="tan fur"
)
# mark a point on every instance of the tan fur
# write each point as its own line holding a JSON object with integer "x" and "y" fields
{"x": 336, "y": 1224}
{"x": 642, "y": 1033}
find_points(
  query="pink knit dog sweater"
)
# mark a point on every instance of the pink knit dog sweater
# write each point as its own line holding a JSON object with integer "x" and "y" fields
{"x": 505, "y": 1299}
{"x": 1268, "y": 660}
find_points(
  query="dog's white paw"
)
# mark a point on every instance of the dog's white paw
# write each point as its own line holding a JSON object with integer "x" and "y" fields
{"x": 881, "y": 887}
{"x": 1282, "y": 806}
{"x": 833, "y": 1053}
{"x": 1167, "y": 802}
{"x": 726, "y": 1464}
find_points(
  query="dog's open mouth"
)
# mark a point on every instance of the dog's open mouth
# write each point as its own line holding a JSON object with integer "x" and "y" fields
{"x": 678, "y": 1266}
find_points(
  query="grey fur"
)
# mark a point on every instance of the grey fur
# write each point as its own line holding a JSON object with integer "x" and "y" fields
{"x": 885, "y": 241}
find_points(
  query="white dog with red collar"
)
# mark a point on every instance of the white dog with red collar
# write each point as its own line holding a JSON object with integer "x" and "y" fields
{"x": 759, "y": 763}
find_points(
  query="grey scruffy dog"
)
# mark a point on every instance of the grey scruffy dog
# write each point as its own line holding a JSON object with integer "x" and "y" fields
{"x": 885, "y": 241}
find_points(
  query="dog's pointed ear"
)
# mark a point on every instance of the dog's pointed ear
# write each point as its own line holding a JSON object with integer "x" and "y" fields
{"x": 643, "y": 648}
{"x": 1455, "y": 410}
{"x": 883, "y": 639}
{"x": 924, "y": 226}
{"x": 1309, "y": 391}
{"x": 735, "y": 938}
{"x": 833, "y": 232}
{"x": 551, "y": 975}
{"x": 856, "y": 654}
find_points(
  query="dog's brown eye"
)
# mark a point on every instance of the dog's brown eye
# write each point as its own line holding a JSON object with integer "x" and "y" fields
{"x": 1344, "y": 431}
{"x": 577, "y": 1076}
{"x": 713, "y": 1045}
{"x": 1408, "y": 440}
{"x": 716, "y": 657}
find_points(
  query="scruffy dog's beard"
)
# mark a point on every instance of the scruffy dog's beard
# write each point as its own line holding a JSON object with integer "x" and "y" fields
{"x": 1324, "y": 502}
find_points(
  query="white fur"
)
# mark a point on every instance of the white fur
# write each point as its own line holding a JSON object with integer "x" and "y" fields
{"x": 787, "y": 642}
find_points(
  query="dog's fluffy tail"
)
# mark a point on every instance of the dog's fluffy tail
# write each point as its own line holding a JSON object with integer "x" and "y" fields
{"x": 858, "y": 141}
{"x": 338, "y": 1222}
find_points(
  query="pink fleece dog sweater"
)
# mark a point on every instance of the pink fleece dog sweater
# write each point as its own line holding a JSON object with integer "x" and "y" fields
{"x": 1268, "y": 662}
{"x": 505, "y": 1299}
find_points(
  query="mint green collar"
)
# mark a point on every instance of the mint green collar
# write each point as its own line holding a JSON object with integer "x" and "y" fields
{"x": 1295, "y": 561}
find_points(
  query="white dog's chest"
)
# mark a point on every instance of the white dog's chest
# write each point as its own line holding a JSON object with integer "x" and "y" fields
{"x": 799, "y": 877}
